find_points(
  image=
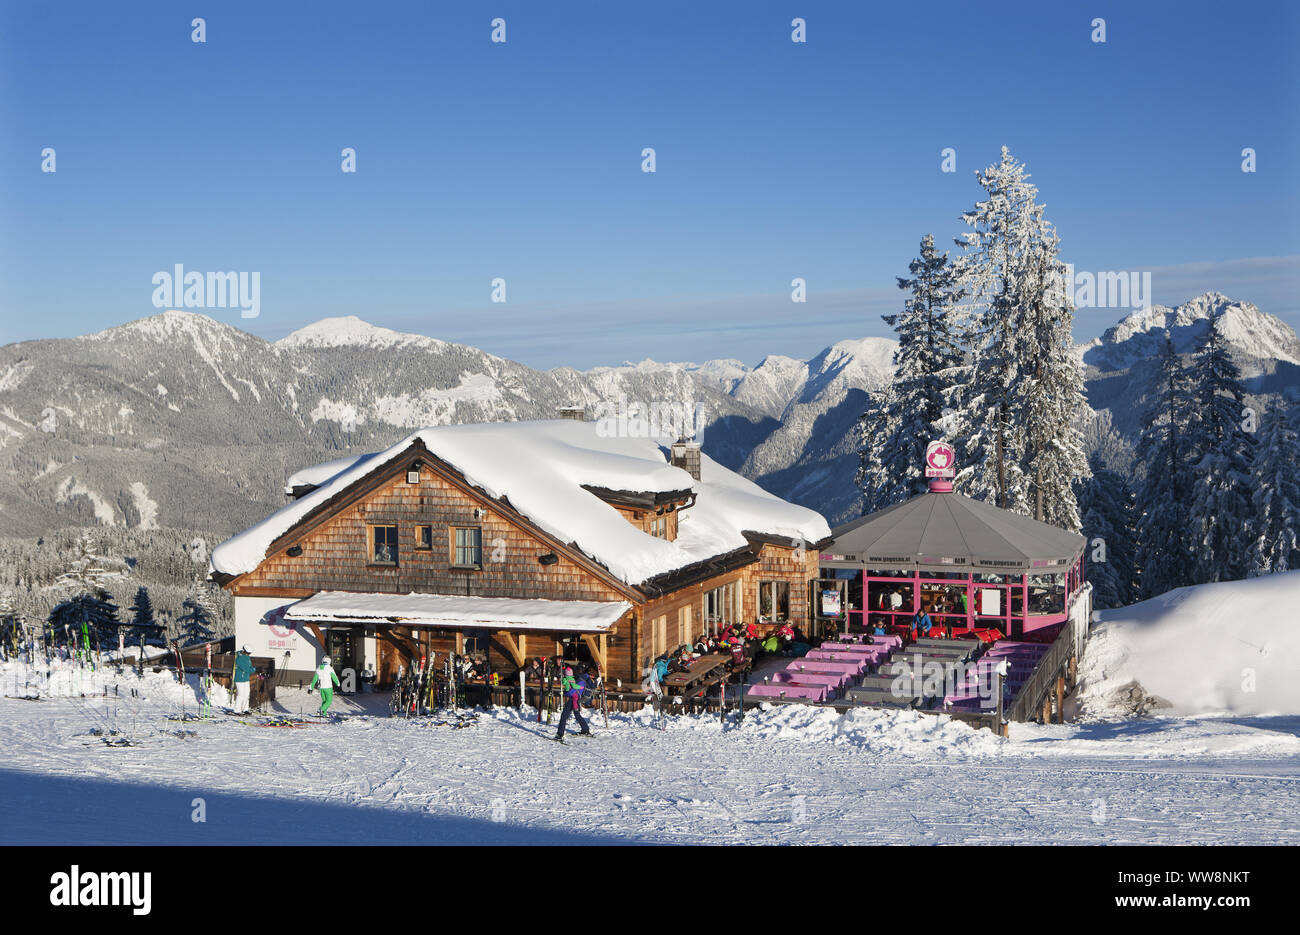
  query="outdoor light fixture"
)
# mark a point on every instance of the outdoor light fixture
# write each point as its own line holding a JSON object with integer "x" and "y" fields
{"x": 550, "y": 558}
{"x": 294, "y": 551}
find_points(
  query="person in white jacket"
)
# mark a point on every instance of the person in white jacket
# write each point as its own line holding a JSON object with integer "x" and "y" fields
{"x": 328, "y": 678}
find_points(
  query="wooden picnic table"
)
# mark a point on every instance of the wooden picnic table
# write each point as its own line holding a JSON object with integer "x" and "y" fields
{"x": 698, "y": 671}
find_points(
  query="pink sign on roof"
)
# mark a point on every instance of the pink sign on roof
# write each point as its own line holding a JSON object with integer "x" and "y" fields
{"x": 940, "y": 460}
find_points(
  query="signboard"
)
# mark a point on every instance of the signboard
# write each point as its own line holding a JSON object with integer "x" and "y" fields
{"x": 830, "y": 602}
{"x": 282, "y": 631}
{"x": 940, "y": 460}
{"x": 991, "y": 602}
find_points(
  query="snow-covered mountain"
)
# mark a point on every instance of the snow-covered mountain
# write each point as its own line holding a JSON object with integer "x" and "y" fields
{"x": 1119, "y": 366}
{"x": 180, "y": 420}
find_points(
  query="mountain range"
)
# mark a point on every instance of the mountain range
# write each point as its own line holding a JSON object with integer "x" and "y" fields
{"x": 180, "y": 420}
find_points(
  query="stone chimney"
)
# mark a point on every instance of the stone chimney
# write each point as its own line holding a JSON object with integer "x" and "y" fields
{"x": 686, "y": 455}
{"x": 576, "y": 413}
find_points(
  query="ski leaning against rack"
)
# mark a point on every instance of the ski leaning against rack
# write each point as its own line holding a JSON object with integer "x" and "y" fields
{"x": 415, "y": 686}
{"x": 395, "y": 699}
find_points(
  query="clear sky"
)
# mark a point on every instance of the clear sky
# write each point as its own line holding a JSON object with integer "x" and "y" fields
{"x": 522, "y": 160}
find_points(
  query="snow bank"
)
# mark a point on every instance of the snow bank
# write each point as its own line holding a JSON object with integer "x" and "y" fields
{"x": 904, "y": 733}
{"x": 65, "y": 679}
{"x": 1226, "y": 648}
{"x": 542, "y": 468}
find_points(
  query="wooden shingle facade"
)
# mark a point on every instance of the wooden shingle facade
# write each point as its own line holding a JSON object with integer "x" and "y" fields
{"x": 417, "y": 525}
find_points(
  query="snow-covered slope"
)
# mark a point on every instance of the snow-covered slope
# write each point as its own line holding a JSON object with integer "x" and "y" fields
{"x": 1120, "y": 366}
{"x": 812, "y": 456}
{"x": 351, "y": 331}
{"x": 1226, "y": 648}
{"x": 1251, "y": 334}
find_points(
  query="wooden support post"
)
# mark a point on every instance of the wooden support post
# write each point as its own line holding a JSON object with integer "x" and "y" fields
{"x": 401, "y": 643}
{"x": 1074, "y": 670}
{"x": 1060, "y": 698}
{"x": 516, "y": 649}
{"x": 1045, "y": 716}
{"x": 597, "y": 649}
{"x": 320, "y": 638}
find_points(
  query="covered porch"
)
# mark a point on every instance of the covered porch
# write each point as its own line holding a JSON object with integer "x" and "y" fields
{"x": 497, "y": 635}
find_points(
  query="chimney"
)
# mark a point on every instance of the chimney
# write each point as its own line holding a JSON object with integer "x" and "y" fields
{"x": 686, "y": 455}
{"x": 576, "y": 413}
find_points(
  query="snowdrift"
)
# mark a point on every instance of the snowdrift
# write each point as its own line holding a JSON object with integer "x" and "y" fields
{"x": 1226, "y": 648}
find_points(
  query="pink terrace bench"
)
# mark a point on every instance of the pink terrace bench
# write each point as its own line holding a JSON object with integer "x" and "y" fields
{"x": 800, "y": 692}
{"x": 826, "y": 665}
{"x": 829, "y": 679}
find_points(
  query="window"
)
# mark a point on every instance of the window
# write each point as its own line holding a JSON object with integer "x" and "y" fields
{"x": 720, "y": 607}
{"x": 475, "y": 643}
{"x": 383, "y": 545}
{"x": 467, "y": 547}
{"x": 424, "y": 538}
{"x": 773, "y": 600}
{"x": 659, "y": 527}
{"x": 1047, "y": 594}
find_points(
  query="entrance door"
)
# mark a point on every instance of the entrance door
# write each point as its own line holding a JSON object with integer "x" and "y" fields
{"x": 343, "y": 649}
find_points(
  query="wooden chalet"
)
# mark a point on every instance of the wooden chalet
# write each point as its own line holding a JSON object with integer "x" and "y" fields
{"x": 510, "y": 541}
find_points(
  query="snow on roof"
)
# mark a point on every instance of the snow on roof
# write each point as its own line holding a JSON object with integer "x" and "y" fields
{"x": 440, "y": 609}
{"x": 318, "y": 474}
{"x": 542, "y": 468}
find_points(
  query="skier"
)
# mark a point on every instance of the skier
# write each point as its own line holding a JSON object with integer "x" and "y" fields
{"x": 243, "y": 673}
{"x": 571, "y": 689}
{"x": 328, "y": 679}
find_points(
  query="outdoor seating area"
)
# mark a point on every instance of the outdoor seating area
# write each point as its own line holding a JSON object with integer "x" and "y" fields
{"x": 829, "y": 670}
{"x": 1021, "y": 659}
{"x": 930, "y": 673}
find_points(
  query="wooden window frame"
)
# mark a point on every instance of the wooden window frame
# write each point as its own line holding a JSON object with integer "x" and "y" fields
{"x": 371, "y": 528}
{"x": 428, "y": 546}
{"x": 775, "y": 584}
{"x": 451, "y": 541}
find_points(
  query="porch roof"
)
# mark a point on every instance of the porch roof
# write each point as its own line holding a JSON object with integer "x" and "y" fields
{"x": 460, "y": 612}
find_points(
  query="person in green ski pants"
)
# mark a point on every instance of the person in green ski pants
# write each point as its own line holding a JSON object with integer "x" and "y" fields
{"x": 328, "y": 679}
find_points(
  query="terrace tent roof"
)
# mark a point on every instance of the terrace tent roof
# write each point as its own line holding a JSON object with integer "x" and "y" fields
{"x": 459, "y": 612}
{"x": 950, "y": 532}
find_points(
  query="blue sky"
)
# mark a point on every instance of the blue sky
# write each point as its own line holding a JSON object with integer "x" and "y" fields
{"x": 522, "y": 160}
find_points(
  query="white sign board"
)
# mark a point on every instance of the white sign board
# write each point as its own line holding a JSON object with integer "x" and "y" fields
{"x": 991, "y": 602}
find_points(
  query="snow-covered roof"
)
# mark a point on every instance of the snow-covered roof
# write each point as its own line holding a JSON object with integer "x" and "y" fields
{"x": 318, "y": 474}
{"x": 499, "y": 613}
{"x": 543, "y": 469}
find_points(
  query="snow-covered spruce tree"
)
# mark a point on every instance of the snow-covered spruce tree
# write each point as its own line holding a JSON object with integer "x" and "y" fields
{"x": 1107, "y": 505}
{"x": 198, "y": 619}
{"x": 143, "y": 625}
{"x": 1164, "y": 553}
{"x": 898, "y": 424}
{"x": 1222, "y": 450}
{"x": 1275, "y": 480}
{"x": 878, "y": 488}
{"x": 99, "y": 615}
{"x": 1019, "y": 441}
{"x": 90, "y": 572}
{"x": 195, "y": 623}
{"x": 1053, "y": 389}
